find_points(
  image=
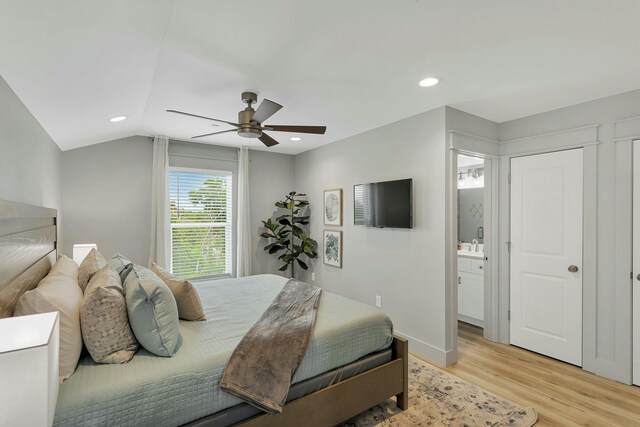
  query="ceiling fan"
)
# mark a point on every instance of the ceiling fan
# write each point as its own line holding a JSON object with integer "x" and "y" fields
{"x": 250, "y": 121}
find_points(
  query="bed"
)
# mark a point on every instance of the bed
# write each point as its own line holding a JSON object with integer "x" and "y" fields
{"x": 353, "y": 361}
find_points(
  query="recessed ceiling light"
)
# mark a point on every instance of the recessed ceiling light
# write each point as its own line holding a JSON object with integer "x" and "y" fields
{"x": 117, "y": 119}
{"x": 429, "y": 81}
{"x": 296, "y": 138}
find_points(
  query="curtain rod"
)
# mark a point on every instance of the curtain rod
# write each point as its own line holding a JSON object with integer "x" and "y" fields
{"x": 203, "y": 157}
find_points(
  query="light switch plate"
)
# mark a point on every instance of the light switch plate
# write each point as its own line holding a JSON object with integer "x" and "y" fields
{"x": 378, "y": 301}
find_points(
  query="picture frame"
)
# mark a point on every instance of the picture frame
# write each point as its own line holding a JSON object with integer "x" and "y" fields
{"x": 332, "y": 248}
{"x": 333, "y": 207}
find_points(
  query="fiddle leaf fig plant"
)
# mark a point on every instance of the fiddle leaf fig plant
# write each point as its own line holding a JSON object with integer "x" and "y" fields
{"x": 287, "y": 236}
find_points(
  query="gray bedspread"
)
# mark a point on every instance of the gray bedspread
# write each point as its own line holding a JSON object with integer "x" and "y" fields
{"x": 262, "y": 365}
{"x": 171, "y": 391}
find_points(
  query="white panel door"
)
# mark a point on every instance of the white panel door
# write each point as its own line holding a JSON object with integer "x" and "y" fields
{"x": 636, "y": 262}
{"x": 546, "y": 254}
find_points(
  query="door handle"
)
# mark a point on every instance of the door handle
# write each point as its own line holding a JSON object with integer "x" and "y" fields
{"x": 573, "y": 268}
{"x": 459, "y": 280}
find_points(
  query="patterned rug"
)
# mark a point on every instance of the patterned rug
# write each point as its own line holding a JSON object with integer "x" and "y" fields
{"x": 437, "y": 398}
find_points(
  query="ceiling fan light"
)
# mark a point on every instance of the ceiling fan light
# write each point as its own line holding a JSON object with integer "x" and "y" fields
{"x": 296, "y": 138}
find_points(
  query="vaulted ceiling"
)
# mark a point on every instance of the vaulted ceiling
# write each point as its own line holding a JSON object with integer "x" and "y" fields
{"x": 350, "y": 65}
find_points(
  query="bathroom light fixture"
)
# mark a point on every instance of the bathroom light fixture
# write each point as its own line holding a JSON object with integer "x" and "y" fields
{"x": 472, "y": 178}
{"x": 296, "y": 138}
{"x": 117, "y": 119}
{"x": 429, "y": 81}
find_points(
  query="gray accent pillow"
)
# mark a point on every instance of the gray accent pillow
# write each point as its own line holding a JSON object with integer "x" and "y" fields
{"x": 103, "y": 316}
{"x": 153, "y": 312}
{"x": 93, "y": 262}
{"x": 119, "y": 262}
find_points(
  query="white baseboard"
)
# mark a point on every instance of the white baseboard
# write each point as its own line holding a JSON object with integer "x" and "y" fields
{"x": 427, "y": 351}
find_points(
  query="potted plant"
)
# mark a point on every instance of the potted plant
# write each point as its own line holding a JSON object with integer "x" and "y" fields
{"x": 286, "y": 234}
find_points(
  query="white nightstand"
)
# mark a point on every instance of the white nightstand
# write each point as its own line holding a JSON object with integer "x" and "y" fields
{"x": 29, "y": 347}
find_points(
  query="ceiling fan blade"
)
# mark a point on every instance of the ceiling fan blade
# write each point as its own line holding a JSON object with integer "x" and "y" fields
{"x": 203, "y": 117}
{"x": 214, "y": 133}
{"x": 267, "y": 140}
{"x": 265, "y": 110}
{"x": 298, "y": 129}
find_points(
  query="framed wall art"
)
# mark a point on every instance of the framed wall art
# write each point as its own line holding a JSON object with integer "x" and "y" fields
{"x": 332, "y": 248}
{"x": 333, "y": 207}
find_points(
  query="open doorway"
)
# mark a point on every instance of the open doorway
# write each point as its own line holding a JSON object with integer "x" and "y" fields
{"x": 471, "y": 243}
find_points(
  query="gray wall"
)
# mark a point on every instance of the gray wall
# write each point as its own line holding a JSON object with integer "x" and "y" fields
{"x": 609, "y": 340}
{"x": 107, "y": 197}
{"x": 270, "y": 178}
{"x": 405, "y": 267}
{"x": 30, "y": 161}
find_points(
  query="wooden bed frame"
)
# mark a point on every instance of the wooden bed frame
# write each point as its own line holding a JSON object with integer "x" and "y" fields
{"x": 345, "y": 399}
{"x": 28, "y": 249}
{"x": 28, "y": 242}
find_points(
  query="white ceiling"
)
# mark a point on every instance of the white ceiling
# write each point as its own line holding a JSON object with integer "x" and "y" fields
{"x": 350, "y": 65}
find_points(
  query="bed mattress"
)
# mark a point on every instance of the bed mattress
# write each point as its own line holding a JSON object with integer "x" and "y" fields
{"x": 152, "y": 390}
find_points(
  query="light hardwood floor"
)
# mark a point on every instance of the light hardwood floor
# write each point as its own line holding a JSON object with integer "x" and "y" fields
{"x": 562, "y": 394}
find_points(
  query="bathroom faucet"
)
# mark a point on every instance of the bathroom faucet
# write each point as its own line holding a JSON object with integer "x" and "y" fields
{"x": 474, "y": 242}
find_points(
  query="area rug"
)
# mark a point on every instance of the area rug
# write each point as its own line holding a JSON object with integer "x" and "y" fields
{"x": 437, "y": 398}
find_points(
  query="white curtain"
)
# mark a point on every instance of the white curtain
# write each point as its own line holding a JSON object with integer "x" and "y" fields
{"x": 160, "y": 227}
{"x": 243, "y": 259}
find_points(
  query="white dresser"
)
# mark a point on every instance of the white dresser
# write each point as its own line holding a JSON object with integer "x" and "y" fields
{"x": 471, "y": 289}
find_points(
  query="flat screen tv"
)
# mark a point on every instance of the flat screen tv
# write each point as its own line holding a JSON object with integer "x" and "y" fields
{"x": 385, "y": 204}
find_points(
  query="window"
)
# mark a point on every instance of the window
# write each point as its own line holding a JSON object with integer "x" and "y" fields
{"x": 200, "y": 204}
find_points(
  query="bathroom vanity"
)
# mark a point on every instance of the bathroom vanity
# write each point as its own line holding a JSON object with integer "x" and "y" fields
{"x": 471, "y": 287}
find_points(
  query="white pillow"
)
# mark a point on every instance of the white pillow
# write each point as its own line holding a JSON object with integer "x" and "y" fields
{"x": 65, "y": 266}
{"x": 58, "y": 293}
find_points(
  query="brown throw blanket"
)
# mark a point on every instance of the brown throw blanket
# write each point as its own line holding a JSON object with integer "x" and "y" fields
{"x": 263, "y": 364}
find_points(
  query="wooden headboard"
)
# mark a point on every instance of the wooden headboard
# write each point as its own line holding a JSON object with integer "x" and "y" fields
{"x": 28, "y": 242}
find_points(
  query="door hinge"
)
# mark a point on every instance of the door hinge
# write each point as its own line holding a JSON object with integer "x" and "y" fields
{"x": 509, "y": 177}
{"x": 508, "y": 246}
{"x": 509, "y": 315}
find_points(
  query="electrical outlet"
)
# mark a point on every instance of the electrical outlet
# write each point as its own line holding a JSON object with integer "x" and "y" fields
{"x": 313, "y": 276}
{"x": 378, "y": 301}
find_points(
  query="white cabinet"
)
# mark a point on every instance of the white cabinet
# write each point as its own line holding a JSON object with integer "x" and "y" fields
{"x": 471, "y": 290}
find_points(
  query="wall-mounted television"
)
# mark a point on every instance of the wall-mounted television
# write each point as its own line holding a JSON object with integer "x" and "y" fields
{"x": 387, "y": 204}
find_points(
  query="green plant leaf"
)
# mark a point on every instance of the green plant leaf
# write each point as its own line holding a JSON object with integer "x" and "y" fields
{"x": 284, "y": 267}
{"x": 275, "y": 249}
{"x": 266, "y": 235}
{"x": 281, "y": 205}
{"x": 284, "y": 221}
{"x": 302, "y": 264}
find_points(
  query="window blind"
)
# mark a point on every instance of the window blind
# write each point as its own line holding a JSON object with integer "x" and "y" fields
{"x": 200, "y": 205}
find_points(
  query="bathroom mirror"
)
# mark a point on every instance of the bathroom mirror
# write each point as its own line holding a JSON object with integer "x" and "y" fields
{"x": 470, "y": 199}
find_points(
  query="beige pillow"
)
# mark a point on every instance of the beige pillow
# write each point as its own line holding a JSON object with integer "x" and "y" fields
{"x": 58, "y": 293}
{"x": 105, "y": 324}
{"x": 93, "y": 262}
{"x": 65, "y": 266}
{"x": 189, "y": 305}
